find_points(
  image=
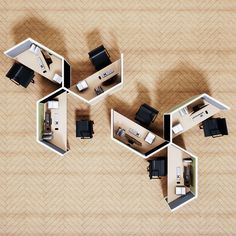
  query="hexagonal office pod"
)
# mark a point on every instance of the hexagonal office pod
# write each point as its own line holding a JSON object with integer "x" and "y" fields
{"x": 190, "y": 113}
{"x": 135, "y": 137}
{"x": 52, "y": 121}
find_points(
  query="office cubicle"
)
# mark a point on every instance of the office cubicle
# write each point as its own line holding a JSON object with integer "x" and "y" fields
{"x": 182, "y": 178}
{"x": 134, "y": 136}
{"x": 102, "y": 83}
{"x": 52, "y": 113}
{"x": 192, "y": 112}
{"x": 38, "y": 58}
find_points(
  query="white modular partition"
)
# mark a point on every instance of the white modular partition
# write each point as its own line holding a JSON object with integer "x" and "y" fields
{"x": 59, "y": 142}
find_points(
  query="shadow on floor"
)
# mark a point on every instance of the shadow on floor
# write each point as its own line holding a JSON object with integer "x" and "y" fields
{"x": 179, "y": 84}
{"x": 41, "y": 31}
{"x": 82, "y": 113}
{"x": 179, "y": 140}
{"x": 176, "y": 86}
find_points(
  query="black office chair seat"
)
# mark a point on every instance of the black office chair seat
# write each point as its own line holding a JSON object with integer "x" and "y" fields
{"x": 146, "y": 115}
{"x": 99, "y": 57}
{"x": 84, "y": 129}
{"x": 20, "y": 75}
{"x": 214, "y": 127}
{"x": 157, "y": 168}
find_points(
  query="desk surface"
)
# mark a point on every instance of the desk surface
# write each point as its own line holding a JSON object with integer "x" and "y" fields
{"x": 190, "y": 120}
{"x": 29, "y": 59}
{"x": 93, "y": 81}
{"x": 125, "y": 123}
{"x": 60, "y": 135}
{"x": 175, "y": 159}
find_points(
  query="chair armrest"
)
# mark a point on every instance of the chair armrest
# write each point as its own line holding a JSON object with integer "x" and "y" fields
{"x": 107, "y": 53}
{"x": 86, "y": 137}
{"x": 215, "y": 133}
{"x": 158, "y": 177}
{"x": 15, "y": 82}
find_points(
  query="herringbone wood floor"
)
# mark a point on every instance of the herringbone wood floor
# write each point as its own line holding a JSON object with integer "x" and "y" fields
{"x": 173, "y": 49}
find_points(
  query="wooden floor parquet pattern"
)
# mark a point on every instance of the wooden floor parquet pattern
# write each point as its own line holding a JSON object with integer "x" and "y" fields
{"x": 172, "y": 50}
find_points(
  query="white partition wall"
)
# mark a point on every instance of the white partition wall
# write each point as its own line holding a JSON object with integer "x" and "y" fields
{"x": 57, "y": 141}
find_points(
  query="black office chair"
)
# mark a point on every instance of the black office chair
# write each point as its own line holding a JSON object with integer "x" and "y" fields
{"x": 20, "y": 75}
{"x": 157, "y": 168}
{"x": 84, "y": 129}
{"x": 214, "y": 127}
{"x": 99, "y": 57}
{"x": 146, "y": 115}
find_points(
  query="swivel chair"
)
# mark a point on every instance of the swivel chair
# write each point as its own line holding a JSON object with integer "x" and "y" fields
{"x": 214, "y": 127}
{"x": 20, "y": 75}
{"x": 84, "y": 129}
{"x": 146, "y": 114}
{"x": 157, "y": 168}
{"x": 99, "y": 57}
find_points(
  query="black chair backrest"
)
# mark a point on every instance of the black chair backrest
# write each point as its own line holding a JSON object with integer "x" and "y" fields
{"x": 215, "y": 127}
{"x": 146, "y": 114}
{"x": 99, "y": 57}
{"x": 13, "y": 71}
{"x": 20, "y": 74}
{"x": 84, "y": 129}
{"x": 222, "y": 126}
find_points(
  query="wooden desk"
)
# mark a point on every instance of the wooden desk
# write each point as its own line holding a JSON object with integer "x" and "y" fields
{"x": 192, "y": 119}
{"x": 175, "y": 159}
{"x": 125, "y": 123}
{"x": 29, "y": 59}
{"x": 60, "y": 135}
{"x": 94, "y": 81}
